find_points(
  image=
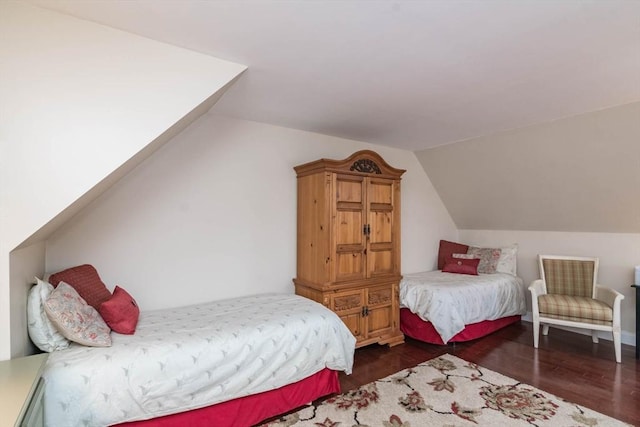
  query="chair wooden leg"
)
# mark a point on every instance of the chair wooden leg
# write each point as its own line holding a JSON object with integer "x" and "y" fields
{"x": 617, "y": 345}
{"x": 536, "y": 332}
{"x": 545, "y": 330}
{"x": 594, "y": 337}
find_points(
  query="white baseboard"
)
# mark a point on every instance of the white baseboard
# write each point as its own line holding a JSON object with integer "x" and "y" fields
{"x": 627, "y": 338}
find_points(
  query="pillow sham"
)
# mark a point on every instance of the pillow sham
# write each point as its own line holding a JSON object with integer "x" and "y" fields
{"x": 75, "y": 319}
{"x": 42, "y": 332}
{"x": 446, "y": 249}
{"x": 461, "y": 266}
{"x": 508, "y": 259}
{"x": 488, "y": 258}
{"x": 121, "y": 312}
{"x": 85, "y": 280}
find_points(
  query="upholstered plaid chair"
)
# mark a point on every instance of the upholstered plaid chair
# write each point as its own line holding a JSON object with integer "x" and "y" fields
{"x": 567, "y": 295}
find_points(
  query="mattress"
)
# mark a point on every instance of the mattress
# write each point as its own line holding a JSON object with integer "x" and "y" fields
{"x": 450, "y": 300}
{"x": 190, "y": 357}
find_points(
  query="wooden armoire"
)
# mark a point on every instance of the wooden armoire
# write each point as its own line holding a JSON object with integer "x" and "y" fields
{"x": 349, "y": 243}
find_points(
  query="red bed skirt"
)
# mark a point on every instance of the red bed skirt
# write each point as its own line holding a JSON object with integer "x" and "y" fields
{"x": 250, "y": 410}
{"x": 413, "y": 326}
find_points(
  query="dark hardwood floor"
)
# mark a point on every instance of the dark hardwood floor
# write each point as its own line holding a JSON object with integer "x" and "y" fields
{"x": 566, "y": 364}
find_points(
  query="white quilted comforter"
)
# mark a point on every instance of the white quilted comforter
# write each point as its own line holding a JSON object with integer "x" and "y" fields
{"x": 450, "y": 301}
{"x": 190, "y": 357}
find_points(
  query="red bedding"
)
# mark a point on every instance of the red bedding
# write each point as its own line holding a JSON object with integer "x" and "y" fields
{"x": 413, "y": 326}
{"x": 250, "y": 410}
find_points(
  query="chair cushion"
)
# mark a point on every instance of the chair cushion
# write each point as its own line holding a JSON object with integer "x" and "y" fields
{"x": 577, "y": 309}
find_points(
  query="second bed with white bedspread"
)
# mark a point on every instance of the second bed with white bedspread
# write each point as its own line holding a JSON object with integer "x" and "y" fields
{"x": 450, "y": 301}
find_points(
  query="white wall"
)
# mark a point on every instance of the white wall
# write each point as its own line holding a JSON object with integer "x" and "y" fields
{"x": 77, "y": 101}
{"x": 578, "y": 174}
{"x": 618, "y": 253}
{"x": 212, "y": 215}
{"x": 26, "y": 263}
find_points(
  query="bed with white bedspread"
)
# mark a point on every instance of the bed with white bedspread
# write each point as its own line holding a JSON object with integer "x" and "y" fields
{"x": 451, "y": 301}
{"x": 191, "y": 357}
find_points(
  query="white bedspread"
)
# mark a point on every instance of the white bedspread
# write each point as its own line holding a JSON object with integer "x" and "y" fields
{"x": 450, "y": 301}
{"x": 190, "y": 357}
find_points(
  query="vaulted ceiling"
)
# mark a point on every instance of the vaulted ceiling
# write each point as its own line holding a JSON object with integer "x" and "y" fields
{"x": 408, "y": 74}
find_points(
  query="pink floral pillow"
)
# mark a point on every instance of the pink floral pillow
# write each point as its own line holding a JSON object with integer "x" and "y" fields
{"x": 489, "y": 258}
{"x": 75, "y": 319}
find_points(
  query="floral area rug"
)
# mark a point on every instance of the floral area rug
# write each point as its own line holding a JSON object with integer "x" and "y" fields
{"x": 446, "y": 391}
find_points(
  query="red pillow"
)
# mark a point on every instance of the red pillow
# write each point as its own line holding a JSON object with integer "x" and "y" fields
{"x": 460, "y": 266}
{"x": 449, "y": 248}
{"x": 121, "y": 312}
{"x": 85, "y": 280}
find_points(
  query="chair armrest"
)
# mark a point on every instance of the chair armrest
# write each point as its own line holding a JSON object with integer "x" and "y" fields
{"x": 537, "y": 288}
{"x": 608, "y": 296}
{"x": 612, "y": 298}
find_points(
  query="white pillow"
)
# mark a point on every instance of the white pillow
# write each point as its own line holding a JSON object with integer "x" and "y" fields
{"x": 42, "y": 332}
{"x": 75, "y": 319}
{"x": 508, "y": 258}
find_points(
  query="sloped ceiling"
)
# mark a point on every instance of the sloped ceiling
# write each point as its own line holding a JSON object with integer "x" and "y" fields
{"x": 529, "y": 91}
{"x": 81, "y": 105}
{"x": 406, "y": 74}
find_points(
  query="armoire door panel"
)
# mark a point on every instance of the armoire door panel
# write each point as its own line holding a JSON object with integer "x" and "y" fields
{"x": 380, "y": 191}
{"x": 354, "y": 324}
{"x": 379, "y": 320}
{"x": 380, "y": 262}
{"x": 349, "y": 266}
{"x": 379, "y": 310}
{"x": 348, "y": 226}
{"x": 381, "y": 224}
{"x": 348, "y": 306}
{"x": 349, "y": 188}
{"x": 380, "y": 218}
{"x": 349, "y": 221}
